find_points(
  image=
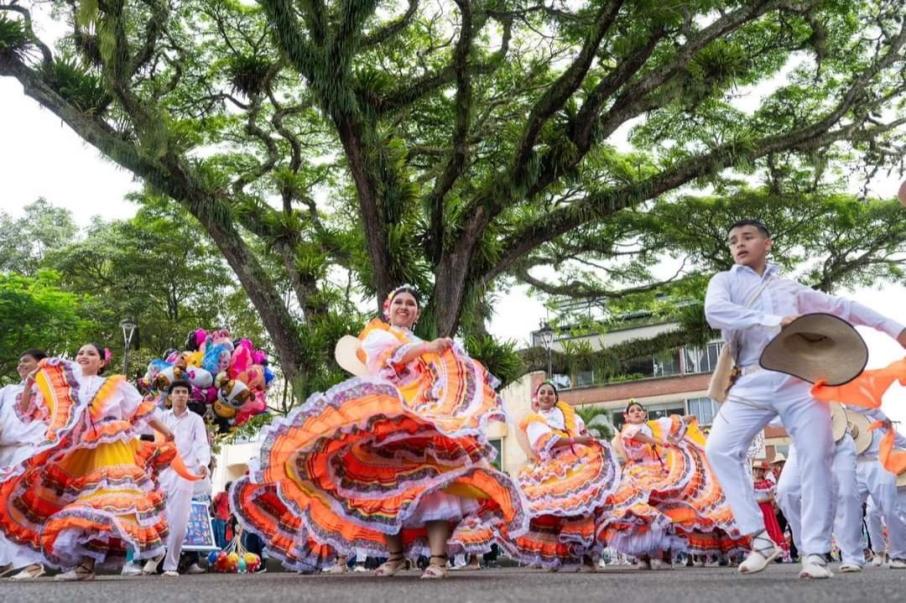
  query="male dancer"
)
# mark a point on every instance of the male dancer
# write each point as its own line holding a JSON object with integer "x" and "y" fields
{"x": 751, "y": 303}
{"x": 881, "y": 485}
{"x": 192, "y": 444}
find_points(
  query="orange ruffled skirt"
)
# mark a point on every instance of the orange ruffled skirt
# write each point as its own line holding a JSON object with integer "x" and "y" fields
{"x": 359, "y": 462}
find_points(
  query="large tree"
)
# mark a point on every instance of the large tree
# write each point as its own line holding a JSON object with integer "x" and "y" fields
{"x": 445, "y": 143}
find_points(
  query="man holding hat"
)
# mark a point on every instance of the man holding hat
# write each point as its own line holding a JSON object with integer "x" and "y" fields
{"x": 750, "y": 303}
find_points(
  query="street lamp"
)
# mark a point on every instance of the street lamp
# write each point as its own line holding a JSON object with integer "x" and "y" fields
{"x": 128, "y": 326}
{"x": 546, "y": 336}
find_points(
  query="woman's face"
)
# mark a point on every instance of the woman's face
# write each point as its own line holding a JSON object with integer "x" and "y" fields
{"x": 635, "y": 415}
{"x": 547, "y": 397}
{"x": 403, "y": 310}
{"x": 89, "y": 359}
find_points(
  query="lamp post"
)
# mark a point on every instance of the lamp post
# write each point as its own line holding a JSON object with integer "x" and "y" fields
{"x": 546, "y": 336}
{"x": 128, "y": 326}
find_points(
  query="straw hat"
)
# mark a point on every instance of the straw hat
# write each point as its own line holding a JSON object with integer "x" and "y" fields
{"x": 901, "y": 480}
{"x": 778, "y": 458}
{"x": 817, "y": 346}
{"x": 347, "y": 356}
{"x": 859, "y": 429}
{"x": 839, "y": 423}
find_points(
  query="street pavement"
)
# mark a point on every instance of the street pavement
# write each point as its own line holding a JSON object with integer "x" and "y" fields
{"x": 777, "y": 585}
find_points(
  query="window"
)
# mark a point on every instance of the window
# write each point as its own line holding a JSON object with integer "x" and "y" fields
{"x": 562, "y": 381}
{"x": 702, "y": 409}
{"x": 498, "y": 461}
{"x": 666, "y": 364}
{"x": 702, "y": 360}
{"x": 585, "y": 378}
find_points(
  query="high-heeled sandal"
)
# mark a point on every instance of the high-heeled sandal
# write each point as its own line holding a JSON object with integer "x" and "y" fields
{"x": 395, "y": 563}
{"x": 80, "y": 573}
{"x": 435, "y": 571}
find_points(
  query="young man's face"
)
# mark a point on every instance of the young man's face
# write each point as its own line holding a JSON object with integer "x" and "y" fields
{"x": 748, "y": 245}
{"x": 179, "y": 398}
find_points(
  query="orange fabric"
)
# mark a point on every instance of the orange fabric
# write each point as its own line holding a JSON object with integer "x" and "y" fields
{"x": 890, "y": 458}
{"x": 864, "y": 391}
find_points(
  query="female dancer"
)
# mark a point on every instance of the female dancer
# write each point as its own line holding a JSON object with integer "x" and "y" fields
{"x": 85, "y": 493}
{"x": 391, "y": 462}
{"x": 566, "y": 487}
{"x": 666, "y": 467}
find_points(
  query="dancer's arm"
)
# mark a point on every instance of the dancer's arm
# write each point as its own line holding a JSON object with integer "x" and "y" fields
{"x": 810, "y": 300}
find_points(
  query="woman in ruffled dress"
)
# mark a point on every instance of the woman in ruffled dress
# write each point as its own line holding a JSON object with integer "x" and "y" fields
{"x": 567, "y": 486}
{"x": 394, "y": 463}
{"x": 679, "y": 504}
{"x": 87, "y": 491}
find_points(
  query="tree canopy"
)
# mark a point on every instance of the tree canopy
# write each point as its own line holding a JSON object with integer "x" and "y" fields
{"x": 333, "y": 148}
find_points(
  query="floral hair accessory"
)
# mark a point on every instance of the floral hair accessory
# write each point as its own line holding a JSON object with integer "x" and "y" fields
{"x": 108, "y": 355}
{"x": 401, "y": 289}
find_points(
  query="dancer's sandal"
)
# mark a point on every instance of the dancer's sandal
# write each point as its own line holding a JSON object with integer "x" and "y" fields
{"x": 32, "y": 572}
{"x": 763, "y": 552}
{"x": 436, "y": 571}
{"x": 80, "y": 573}
{"x": 395, "y": 563}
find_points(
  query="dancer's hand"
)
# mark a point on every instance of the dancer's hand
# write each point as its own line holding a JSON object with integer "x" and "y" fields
{"x": 202, "y": 471}
{"x": 440, "y": 345}
{"x": 785, "y": 322}
{"x": 901, "y": 338}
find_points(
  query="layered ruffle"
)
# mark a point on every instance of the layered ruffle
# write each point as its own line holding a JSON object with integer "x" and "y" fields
{"x": 86, "y": 491}
{"x": 667, "y": 493}
{"x": 376, "y": 456}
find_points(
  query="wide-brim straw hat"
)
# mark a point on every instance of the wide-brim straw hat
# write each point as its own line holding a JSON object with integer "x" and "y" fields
{"x": 778, "y": 458}
{"x": 347, "y": 355}
{"x": 862, "y": 434}
{"x": 839, "y": 423}
{"x": 817, "y": 347}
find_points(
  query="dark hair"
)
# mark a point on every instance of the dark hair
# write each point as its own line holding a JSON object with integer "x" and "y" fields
{"x": 634, "y": 403}
{"x": 35, "y": 353}
{"x": 102, "y": 353}
{"x": 552, "y": 386}
{"x": 751, "y": 222}
{"x": 180, "y": 383}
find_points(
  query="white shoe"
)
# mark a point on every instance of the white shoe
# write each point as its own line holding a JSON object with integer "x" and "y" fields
{"x": 151, "y": 566}
{"x": 359, "y": 568}
{"x": 814, "y": 567}
{"x": 897, "y": 564}
{"x": 131, "y": 569}
{"x": 171, "y": 574}
{"x": 763, "y": 553}
{"x": 76, "y": 574}
{"x": 660, "y": 564}
{"x": 850, "y": 568}
{"x": 336, "y": 569}
{"x": 878, "y": 559}
{"x": 31, "y": 572}
{"x": 195, "y": 569}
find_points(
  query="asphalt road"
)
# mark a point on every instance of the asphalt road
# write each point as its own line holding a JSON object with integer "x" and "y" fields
{"x": 777, "y": 585}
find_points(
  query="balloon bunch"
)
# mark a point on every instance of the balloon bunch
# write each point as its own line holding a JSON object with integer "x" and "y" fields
{"x": 228, "y": 376}
{"x": 233, "y": 560}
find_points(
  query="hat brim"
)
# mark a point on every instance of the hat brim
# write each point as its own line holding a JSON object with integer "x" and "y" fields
{"x": 817, "y": 347}
{"x": 346, "y": 355}
{"x": 862, "y": 438}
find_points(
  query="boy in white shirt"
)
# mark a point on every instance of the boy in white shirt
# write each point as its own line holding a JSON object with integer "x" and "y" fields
{"x": 751, "y": 320}
{"x": 191, "y": 440}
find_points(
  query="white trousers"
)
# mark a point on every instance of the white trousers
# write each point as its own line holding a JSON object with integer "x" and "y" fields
{"x": 848, "y": 513}
{"x": 752, "y": 404}
{"x": 881, "y": 485}
{"x": 179, "y": 506}
{"x": 875, "y": 526}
